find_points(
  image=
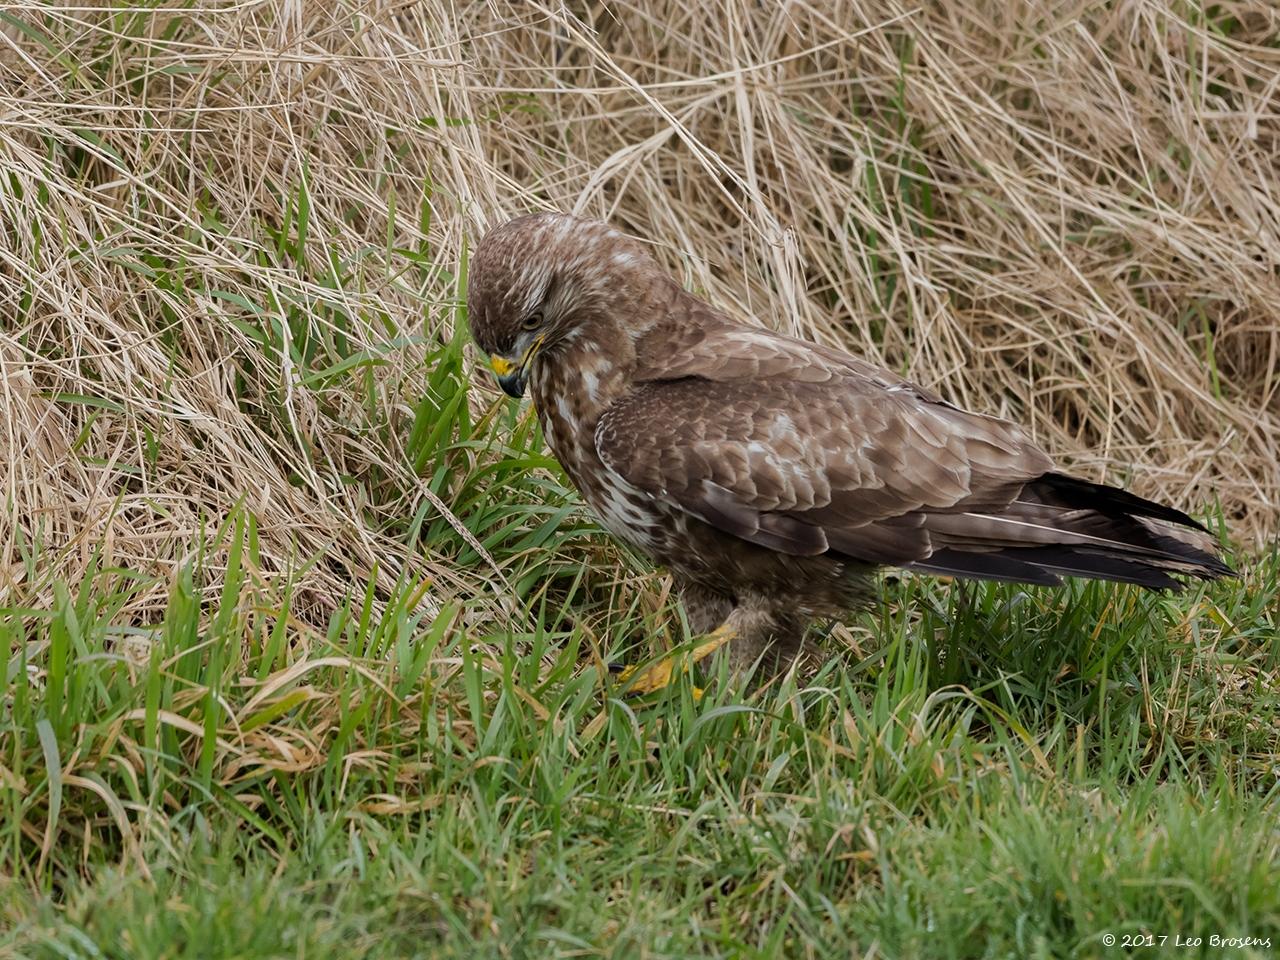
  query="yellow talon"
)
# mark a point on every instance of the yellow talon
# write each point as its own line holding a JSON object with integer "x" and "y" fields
{"x": 658, "y": 675}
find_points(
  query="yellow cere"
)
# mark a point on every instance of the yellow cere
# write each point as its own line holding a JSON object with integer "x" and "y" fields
{"x": 500, "y": 365}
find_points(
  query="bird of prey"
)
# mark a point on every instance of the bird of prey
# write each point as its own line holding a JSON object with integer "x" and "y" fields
{"x": 771, "y": 475}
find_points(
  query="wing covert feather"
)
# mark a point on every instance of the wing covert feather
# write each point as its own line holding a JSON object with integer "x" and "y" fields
{"x": 805, "y": 465}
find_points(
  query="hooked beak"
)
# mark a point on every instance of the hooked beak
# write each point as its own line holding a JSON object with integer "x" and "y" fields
{"x": 510, "y": 376}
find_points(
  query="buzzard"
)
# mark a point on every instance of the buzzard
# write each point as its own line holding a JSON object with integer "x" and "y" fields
{"x": 772, "y": 475}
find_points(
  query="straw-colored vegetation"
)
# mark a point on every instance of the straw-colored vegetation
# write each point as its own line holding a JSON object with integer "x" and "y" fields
{"x": 305, "y": 634}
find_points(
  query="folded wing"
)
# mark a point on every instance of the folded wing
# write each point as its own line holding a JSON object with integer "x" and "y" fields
{"x": 808, "y": 451}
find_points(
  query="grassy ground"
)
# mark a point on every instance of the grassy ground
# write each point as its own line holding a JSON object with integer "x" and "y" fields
{"x": 306, "y": 639}
{"x": 1020, "y": 773}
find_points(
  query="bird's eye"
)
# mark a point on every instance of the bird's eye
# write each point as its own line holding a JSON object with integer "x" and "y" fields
{"x": 532, "y": 322}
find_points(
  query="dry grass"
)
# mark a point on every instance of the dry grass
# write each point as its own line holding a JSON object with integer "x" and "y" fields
{"x": 1066, "y": 212}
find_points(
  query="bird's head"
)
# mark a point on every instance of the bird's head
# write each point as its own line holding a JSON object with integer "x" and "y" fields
{"x": 540, "y": 282}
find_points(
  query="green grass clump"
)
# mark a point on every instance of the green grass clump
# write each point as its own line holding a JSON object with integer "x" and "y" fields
{"x": 995, "y": 773}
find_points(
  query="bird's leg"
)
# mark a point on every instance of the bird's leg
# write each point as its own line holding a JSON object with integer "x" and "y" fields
{"x": 758, "y": 631}
{"x": 659, "y": 675}
{"x": 765, "y": 635}
{"x": 963, "y": 609}
{"x": 706, "y": 610}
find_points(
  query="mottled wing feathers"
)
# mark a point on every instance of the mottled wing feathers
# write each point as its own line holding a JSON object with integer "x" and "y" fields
{"x": 803, "y": 467}
{"x": 806, "y": 450}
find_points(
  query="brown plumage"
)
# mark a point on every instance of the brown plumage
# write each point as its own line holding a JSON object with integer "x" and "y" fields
{"x": 771, "y": 475}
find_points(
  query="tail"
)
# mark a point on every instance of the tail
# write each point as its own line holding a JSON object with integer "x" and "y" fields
{"x": 1060, "y": 526}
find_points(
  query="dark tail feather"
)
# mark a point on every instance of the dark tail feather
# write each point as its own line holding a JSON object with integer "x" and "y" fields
{"x": 1060, "y": 490}
{"x": 1002, "y": 565}
{"x": 1063, "y": 526}
{"x": 1044, "y": 565}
